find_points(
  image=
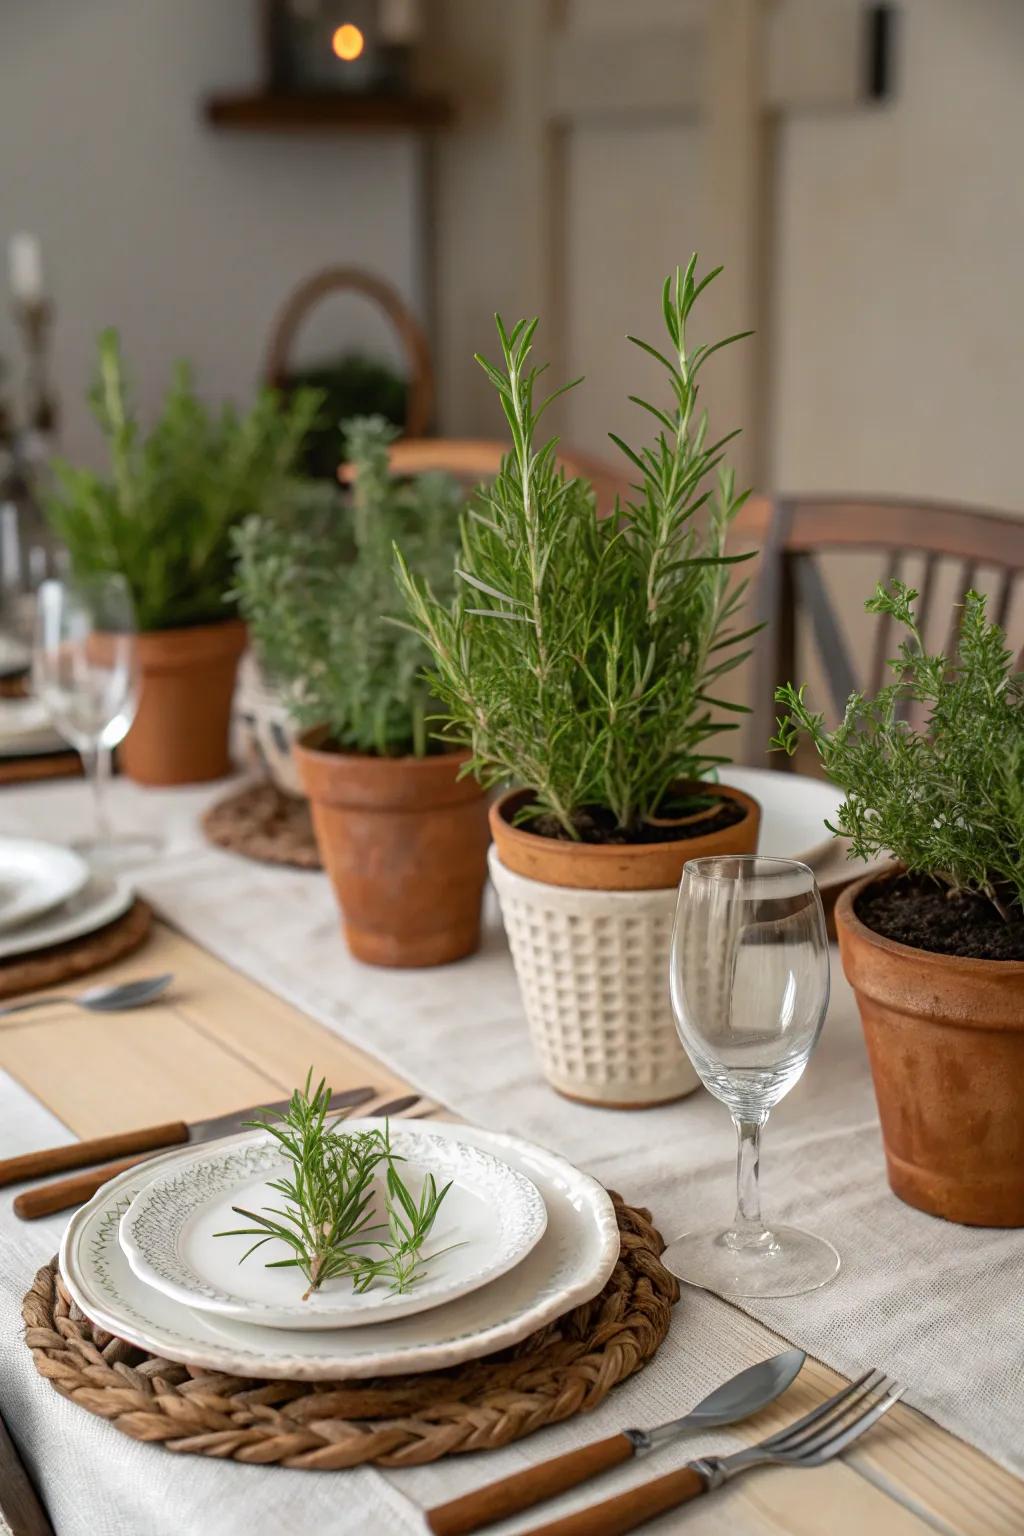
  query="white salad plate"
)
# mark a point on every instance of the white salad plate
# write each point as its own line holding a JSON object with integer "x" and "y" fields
{"x": 794, "y": 810}
{"x": 569, "y": 1265}
{"x": 26, "y": 729}
{"x": 490, "y": 1218}
{"x": 35, "y": 876}
{"x": 102, "y": 899}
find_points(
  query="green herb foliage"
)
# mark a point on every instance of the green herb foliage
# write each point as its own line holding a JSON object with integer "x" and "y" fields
{"x": 580, "y": 657}
{"x": 163, "y": 516}
{"x": 329, "y": 1219}
{"x": 318, "y": 599}
{"x": 946, "y": 800}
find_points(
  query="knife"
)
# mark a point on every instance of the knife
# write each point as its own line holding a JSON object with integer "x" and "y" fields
{"x": 81, "y": 1154}
{"x": 737, "y": 1399}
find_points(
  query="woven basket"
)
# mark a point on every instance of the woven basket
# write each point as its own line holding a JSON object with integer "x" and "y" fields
{"x": 593, "y": 974}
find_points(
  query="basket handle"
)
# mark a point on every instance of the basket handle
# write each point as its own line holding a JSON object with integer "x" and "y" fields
{"x": 420, "y": 401}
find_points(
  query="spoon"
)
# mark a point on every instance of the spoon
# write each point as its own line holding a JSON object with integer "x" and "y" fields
{"x": 127, "y": 994}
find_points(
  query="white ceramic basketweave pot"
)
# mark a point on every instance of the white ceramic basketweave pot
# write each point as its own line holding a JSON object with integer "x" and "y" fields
{"x": 592, "y": 962}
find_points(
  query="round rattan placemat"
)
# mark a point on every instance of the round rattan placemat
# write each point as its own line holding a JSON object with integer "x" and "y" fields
{"x": 260, "y": 822}
{"x": 63, "y": 962}
{"x": 564, "y": 1369}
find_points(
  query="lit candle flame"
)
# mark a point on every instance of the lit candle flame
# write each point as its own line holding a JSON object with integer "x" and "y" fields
{"x": 348, "y": 42}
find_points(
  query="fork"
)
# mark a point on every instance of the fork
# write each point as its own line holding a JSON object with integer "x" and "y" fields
{"x": 811, "y": 1441}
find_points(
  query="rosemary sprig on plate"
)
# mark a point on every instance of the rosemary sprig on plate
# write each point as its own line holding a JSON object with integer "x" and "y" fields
{"x": 329, "y": 1220}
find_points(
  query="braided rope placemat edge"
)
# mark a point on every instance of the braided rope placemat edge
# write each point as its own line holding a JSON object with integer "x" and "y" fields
{"x": 260, "y": 822}
{"x": 566, "y": 1368}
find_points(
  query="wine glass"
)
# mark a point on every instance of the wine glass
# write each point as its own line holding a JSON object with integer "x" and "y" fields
{"x": 84, "y": 671}
{"x": 750, "y": 984}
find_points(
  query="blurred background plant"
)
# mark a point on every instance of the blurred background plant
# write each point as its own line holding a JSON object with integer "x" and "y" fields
{"x": 353, "y": 385}
{"x": 319, "y": 594}
{"x": 164, "y": 513}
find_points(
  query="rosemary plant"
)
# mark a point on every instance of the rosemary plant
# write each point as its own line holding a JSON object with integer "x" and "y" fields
{"x": 946, "y": 800}
{"x": 317, "y": 596}
{"x": 329, "y": 1220}
{"x": 580, "y": 657}
{"x": 163, "y": 516}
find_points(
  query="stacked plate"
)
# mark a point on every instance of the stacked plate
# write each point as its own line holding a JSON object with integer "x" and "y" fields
{"x": 48, "y": 896}
{"x": 521, "y": 1237}
{"x": 26, "y": 731}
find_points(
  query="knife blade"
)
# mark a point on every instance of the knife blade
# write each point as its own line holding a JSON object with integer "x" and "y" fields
{"x": 81, "y": 1154}
{"x": 738, "y": 1398}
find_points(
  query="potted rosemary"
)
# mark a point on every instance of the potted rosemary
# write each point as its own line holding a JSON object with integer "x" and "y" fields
{"x": 578, "y": 660}
{"x": 163, "y": 519}
{"x": 401, "y": 831}
{"x": 934, "y": 950}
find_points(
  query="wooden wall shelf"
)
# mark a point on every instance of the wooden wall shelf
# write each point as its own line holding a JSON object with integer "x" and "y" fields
{"x": 269, "y": 112}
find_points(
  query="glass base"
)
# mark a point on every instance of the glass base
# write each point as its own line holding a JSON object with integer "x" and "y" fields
{"x": 782, "y": 1262}
{"x": 122, "y": 851}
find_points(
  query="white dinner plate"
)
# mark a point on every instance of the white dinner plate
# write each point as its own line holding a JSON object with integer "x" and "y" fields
{"x": 794, "y": 810}
{"x": 35, "y": 876}
{"x": 26, "y": 728}
{"x": 102, "y": 899}
{"x": 569, "y": 1265}
{"x": 490, "y": 1218}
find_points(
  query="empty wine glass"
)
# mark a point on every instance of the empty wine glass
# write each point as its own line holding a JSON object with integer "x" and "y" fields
{"x": 84, "y": 671}
{"x": 750, "y": 985}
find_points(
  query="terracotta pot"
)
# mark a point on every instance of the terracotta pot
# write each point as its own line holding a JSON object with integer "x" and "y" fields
{"x": 404, "y": 841}
{"x": 610, "y": 866}
{"x": 186, "y": 684}
{"x": 590, "y": 929}
{"x": 945, "y": 1038}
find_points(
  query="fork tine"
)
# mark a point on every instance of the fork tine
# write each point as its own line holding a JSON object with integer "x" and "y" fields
{"x": 781, "y": 1440}
{"x": 853, "y": 1431}
{"x": 858, "y": 1404}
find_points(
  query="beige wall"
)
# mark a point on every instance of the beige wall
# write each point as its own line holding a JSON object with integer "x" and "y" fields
{"x": 898, "y": 308}
{"x": 893, "y": 316}
{"x": 187, "y": 239}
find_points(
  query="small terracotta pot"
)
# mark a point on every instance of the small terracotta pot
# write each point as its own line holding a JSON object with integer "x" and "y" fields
{"x": 615, "y": 866}
{"x": 590, "y": 928}
{"x": 186, "y": 683}
{"x": 945, "y": 1039}
{"x": 404, "y": 841}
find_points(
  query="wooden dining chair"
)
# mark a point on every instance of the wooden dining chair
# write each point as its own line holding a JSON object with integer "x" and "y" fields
{"x": 940, "y": 549}
{"x": 472, "y": 460}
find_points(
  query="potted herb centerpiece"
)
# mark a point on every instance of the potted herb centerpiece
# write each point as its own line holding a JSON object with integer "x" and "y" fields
{"x": 935, "y": 949}
{"x": 163, "y": 519}
{"x": 401, "y": 830}
{"x": 579, "y": 661}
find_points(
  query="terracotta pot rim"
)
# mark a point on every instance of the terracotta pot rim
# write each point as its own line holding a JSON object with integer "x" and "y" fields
{"x": 964, "y": 964}
{"x": 310, "y": 742}
{"x": 600, "y": 851}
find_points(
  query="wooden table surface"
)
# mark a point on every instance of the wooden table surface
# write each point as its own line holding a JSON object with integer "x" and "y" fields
{"x": 219, "y": 1042}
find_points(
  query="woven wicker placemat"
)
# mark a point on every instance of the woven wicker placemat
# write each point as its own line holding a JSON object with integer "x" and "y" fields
{"x": 61, "y": 962}
{"x": 260, "y": 822}
{"x": 564, "y": 1369}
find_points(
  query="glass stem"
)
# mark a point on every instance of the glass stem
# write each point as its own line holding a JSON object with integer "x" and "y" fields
{"x": 99, "y": 777}
{"x": 747, "y": 1224}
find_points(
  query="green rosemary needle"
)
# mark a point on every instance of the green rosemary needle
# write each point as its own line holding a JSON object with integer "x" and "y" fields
{"x": 329, "y": 1219}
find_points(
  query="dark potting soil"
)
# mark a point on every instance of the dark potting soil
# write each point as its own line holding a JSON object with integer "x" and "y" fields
{"x": 595, "y": 824}
{"x": 919, "y": 912}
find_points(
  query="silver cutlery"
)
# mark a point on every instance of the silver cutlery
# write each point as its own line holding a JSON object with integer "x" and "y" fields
{"x": 818, "y": 1437}
{"x": 741, "y": 1396}
{"x": 127, "y": 994}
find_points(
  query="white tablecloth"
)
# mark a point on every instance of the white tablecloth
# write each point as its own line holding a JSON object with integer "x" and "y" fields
{"x": 937, "y": 1305}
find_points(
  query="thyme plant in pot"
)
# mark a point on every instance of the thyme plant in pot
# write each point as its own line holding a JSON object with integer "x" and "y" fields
{"x": 935, "y": 949}
{"x": 402, "y": 832}
{"x": 162, "y": 518}
{"x": 578, "y": 661}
